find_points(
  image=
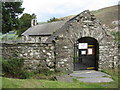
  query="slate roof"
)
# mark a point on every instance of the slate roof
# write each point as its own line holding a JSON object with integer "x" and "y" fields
{"x": 64, "y": 27}
{"x": 44, "y": 29}
{"x": 59, "y": 31}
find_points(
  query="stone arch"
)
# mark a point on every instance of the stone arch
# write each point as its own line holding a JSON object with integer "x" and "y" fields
{"x": 79, "y": 27}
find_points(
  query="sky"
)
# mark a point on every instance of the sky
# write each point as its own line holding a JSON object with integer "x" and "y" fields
{"x": 46, "y": 9}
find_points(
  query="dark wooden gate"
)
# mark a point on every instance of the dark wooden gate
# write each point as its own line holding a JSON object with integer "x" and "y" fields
{"x": 83, "y": 62}
{"x": 77, "y": 58}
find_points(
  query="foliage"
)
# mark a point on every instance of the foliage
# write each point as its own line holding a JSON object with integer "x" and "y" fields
{"x": 25, "y": 22}
{"x": 10, "y": 20}
{"x": 13, "y": 68}
{"x": 44, "y": 77}
{"x": 10, "y": 13}
{"x": 46, "y": 74}
{"x": 53, "y": 19}
{"x": 116, "y": 35}
{"x": 45, "y": 71}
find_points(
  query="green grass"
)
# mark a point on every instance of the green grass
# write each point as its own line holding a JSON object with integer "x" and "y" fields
{"x": 37, "y": 83}
{"x": 10, "y": 36}
{"x": 33, "y": 83}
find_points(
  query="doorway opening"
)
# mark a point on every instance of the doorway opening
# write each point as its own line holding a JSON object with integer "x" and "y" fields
{"x": 86, "y": 54}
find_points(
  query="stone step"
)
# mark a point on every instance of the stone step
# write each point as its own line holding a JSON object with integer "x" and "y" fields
{"x": 91, "y": 76}
{"x": 95, "y": 80}
{"x": 89, "y": 73}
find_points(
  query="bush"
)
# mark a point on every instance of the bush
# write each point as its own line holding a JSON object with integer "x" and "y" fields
{"x": 116, "y": 35}
{"x": 44, "y": 77}
{"x": 53, "y": 19}
{"x": 13, "y": 68}
{"x": 44, "y": 71}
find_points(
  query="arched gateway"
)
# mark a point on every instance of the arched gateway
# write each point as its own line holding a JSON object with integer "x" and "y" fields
{"x": 86, "y": 54}
{"x": 82, "y": 43}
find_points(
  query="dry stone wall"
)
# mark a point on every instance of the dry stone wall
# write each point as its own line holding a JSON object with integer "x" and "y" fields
{"x": 108, "y": 54}
{"x": 37, "y": 56}
{"x": 34, "y": 39}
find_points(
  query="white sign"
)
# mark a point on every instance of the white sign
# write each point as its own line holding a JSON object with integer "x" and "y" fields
{"x": 83, "y": 46}
{"x": 89, "y": 51}
{"x": 83, "y": 52}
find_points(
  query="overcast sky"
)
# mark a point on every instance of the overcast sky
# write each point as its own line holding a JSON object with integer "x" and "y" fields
{"x": 46, "y": 9}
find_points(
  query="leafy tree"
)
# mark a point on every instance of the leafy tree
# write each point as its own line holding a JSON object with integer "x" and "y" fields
{"x": 53, "y": 19}
{"x": 10, "y": 13}
{"x": 25, "y": 22}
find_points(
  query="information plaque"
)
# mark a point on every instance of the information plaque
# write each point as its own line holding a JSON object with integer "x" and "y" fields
{"x": 83, "y": 46}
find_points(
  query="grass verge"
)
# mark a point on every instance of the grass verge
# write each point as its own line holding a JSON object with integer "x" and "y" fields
{"x": 38, "y": 83}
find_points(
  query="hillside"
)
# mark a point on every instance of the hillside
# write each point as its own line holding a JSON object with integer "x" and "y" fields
{"x": 105, "y": 15}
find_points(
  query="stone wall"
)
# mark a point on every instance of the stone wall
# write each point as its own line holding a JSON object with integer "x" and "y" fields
{"x": 64, "y": 55}
{"x": 37, "y": 56}
{"x": 108, "y": 57}
{"x": 35, "y": 39}
{"x": 84, "y": 25}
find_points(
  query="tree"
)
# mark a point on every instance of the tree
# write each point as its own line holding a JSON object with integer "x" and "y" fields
{"x": 25, "y": 22}
{"x": 53, "y": 19}
{"x": 10, "y": 13}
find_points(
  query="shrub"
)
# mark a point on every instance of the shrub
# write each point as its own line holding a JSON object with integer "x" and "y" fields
{"x": 44, "y": 77}
{"x": 44, "y": 71}
{"x": 53, "y": 19}
{"x": 116, "y": 35}
{"x": 13, "y": 68}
